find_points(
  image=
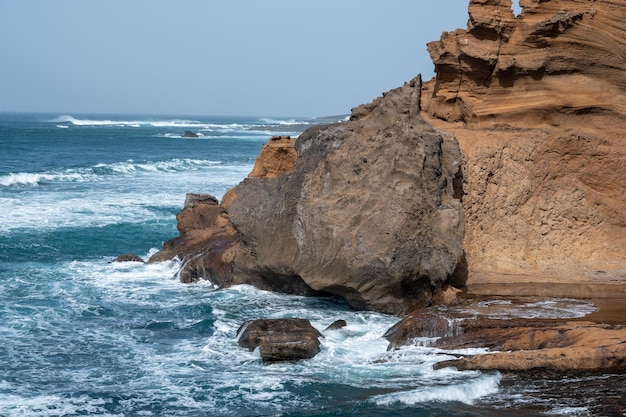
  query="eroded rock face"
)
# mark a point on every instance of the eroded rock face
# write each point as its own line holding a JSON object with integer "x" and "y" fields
{"x": 276, "y": 157}
{"x": 574, "y": 346}
{"x": 557, "y": 57}
{"x": 280, "y": 340}
{"x": 369, "y": 213}
{"x": 537, "y": 103}
{"x": 207, "y": 241}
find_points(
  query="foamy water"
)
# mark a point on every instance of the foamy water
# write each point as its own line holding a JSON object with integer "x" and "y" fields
{"x": 82, "y": 336}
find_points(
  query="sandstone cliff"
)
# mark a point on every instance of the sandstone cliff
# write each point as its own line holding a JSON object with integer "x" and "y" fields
{"x": 538, "y": 104}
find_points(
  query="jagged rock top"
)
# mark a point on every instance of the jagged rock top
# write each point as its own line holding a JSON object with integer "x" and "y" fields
{"x": 557, "y": 56}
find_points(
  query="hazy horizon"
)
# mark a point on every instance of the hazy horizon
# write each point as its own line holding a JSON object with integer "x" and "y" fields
{"x": 276, "y": 58}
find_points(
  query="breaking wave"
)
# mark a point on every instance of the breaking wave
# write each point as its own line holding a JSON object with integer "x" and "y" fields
{"x": 99, "y": 170}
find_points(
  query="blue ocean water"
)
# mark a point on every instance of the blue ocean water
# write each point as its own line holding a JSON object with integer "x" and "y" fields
{"x": 82, "y": 336}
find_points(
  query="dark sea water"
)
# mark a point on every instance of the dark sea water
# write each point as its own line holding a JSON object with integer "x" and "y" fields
{"x": 82, "y": 336}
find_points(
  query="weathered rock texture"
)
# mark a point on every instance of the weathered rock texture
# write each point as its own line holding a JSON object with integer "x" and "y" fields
{"x": 538, "y": 104}
{"x": 574, "y": 346}
{"x": 280, "y": 340}
{"x": 206, "y": 244}
{"x": 369, "y": 213}
{"x": 557, "y": 57}
{"x": 276, "y": 157}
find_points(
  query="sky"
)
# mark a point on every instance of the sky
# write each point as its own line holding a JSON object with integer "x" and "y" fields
{"x": 298, "y": 58}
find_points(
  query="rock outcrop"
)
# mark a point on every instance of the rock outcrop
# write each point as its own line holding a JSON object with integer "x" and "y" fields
{"x": 280, "y": 340}
{"x": 128, "y": 257}
{"x": 558, "y": 57}
{"x": 206, "y": 244}
{"x": 369, "y": 213}
{"x": 538, "y": 105}
{"x": 573, "y": 346}
{"x": 190, "y": 134}
{"x": 276, "y": 157}
{"x": 387, "y": 209}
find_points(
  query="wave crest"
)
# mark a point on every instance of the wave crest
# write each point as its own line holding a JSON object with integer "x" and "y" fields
{"x": 101, "y": 170}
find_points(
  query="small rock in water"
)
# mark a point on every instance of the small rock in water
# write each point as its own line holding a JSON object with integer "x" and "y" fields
{"x": 336, "y": 325}
{"x": 128, "y": 257}
{"x": 190, "y": 134}
{"x": 280, "y": 340}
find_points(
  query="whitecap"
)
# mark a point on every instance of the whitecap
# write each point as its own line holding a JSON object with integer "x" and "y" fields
{"x": 466, "y": 392}
{"x": 289, "y": 122}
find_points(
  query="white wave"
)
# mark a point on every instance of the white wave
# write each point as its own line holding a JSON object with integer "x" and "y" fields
{"x": 62, "y": 126}
{"x": 123, "y": 123}
{"x": 289, "y": 122}
{"x": 466, "y": 392}
{"x": 97, "y": 171}
{"x": 51, "y": 405}
{"x": 32, "y": 178}
{"x": 195, "y": 125}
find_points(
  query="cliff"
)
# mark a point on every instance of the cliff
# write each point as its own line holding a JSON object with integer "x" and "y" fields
{"x": 507, "y": 167}
{"x": 538, "y": 105}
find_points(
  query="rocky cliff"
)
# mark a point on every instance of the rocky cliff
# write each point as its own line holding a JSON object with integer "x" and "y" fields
{"x": 507, "y": 167}
{"x": 538, "y": 104}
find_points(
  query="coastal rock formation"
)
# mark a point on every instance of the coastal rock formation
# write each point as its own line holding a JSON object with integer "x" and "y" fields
{"x": 371, "y": 211}
{"x": 573, "y": 346}
{"x": 280, "y": 340}
{"x": 557, "y": 57}
{"x": 276, "y": 157}
{"x": 206, "y": 244}
{"x": 128, "y": 257}
{"x": 538, "y": 105}
{"x": 190, "y": 134}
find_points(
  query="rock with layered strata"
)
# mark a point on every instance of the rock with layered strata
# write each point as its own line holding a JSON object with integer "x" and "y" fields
{"x": 538, "y": 105}
{"x": 557, "y": 57}
{"x": 566, "y": 347}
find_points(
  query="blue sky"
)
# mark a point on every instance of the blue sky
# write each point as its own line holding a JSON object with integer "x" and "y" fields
{"x": 208, "y": 57}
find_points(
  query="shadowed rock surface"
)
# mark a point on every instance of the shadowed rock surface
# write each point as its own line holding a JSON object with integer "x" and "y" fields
{"x": 369, "y": 212}
{"x": 206, "y": 242}
{"x": 280, "y": 340}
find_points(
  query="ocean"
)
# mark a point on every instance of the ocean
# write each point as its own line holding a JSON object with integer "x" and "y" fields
{"x": 83, "y": 336}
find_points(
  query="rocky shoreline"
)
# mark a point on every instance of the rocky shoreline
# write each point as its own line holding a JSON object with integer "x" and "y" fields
{"x": 503, "y": 177}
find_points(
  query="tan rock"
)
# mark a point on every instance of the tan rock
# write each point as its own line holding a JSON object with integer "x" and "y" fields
{"x": 277, "y": 156}
{"x": 538, "y": 105}
{"x": 575, "y": 346}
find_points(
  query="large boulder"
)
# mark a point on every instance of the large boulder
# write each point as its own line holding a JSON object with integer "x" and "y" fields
{"x": 280, "y": 340}
{"x": 371, "y": 211}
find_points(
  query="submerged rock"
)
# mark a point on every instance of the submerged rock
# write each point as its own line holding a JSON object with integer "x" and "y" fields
{"x": 280, "y": 340}
{"x": 336, "y": 325}
{"x": 190, "y": 134}
{"x": 128, "y": 257}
